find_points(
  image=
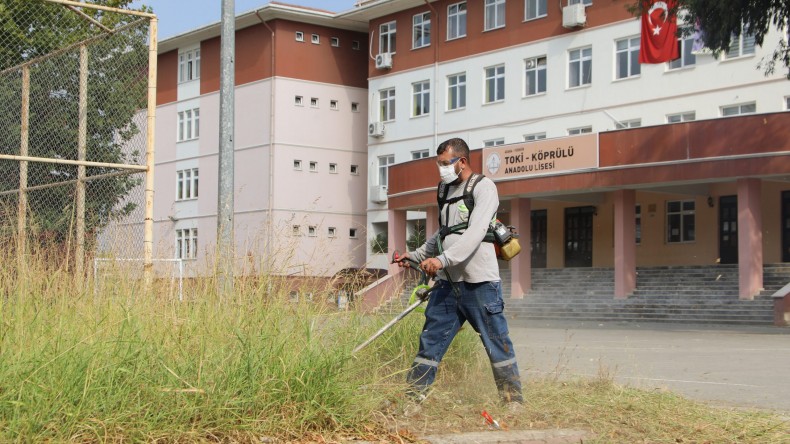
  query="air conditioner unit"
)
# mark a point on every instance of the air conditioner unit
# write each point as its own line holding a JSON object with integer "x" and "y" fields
{"x": 378, "y": 193}
{"x": 384, "y": 60}
{"x": 574, "y": 15}
{"x": 376, "y": 129}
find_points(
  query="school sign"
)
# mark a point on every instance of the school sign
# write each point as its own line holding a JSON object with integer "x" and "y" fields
{"x": 541, "y": 157}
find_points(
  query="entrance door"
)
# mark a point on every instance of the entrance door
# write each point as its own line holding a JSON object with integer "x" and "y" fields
{"x": 538, "y": 238}
{"x": 579, "y": 236}
{"x": 785, "y": 226}
{"x": 728, "y": 229}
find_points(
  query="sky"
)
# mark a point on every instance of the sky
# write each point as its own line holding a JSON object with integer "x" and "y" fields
{"x": 178, "y": 16}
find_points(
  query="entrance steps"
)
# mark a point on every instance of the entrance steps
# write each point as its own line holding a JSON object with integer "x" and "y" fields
{"x": 689, "y": 294}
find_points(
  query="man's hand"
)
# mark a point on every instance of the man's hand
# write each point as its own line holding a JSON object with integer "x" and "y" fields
{"x": 400, "y": 259}
{"x": 430, "y": 266}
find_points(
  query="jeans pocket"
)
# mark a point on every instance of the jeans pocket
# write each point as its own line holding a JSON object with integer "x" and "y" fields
{"x": 496, "y": 307}
{"x": 495, "y": 321}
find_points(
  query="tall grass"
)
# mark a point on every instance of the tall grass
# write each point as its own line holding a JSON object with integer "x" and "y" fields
{"x": 128, "y": 366}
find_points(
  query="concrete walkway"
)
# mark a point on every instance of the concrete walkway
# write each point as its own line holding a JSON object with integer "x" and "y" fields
{"x": 733, "y": 366}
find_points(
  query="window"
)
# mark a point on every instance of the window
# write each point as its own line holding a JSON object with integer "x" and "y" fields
{"x": 387, "y": 105}
{"x": 579, "y": 67}
{"x": 456, "y": 21}
{"x": 741, "y": 45}
{"x": 627, "y": 57}
{"x": 421, "y": 30}
{"x": 355, "y": 45}
{"x": 298, "y": 165}
{"x": 313, "y": 166}
{"x": 493, "y": 142}
{"x": 456, "y": 91}
{"x": 298, "y": 100}
{"x": 186, "y": 243}
{"x": 535, "y": 9}
{"x": 314, "y": 102}
{"x": 333, "y": 105}
{"x": 494, "y": 14}
{"x": 354, "y": 169}
{"x": 188, "y": 124}
{"x": 685, "y": 48}
{"x": 584, "y": 2}
{"x": 387, "y": 37}
{"x": 331, "y": 231}
{"x": 580, "y": 130}
{"x": 293, "y": 296}
{"x": 421, "y": 154}
{"x": 295, "y": 230}
{"x": 638, "y": 211}
{"x": 333, "y": 168}
{"x": 299, "y": 36}
{"x": 735, "y": 110}
{"x": 315, "y": 39}
{"x": 352, "y": 233}
{"x": 495, "y": 84}
{"x": 787, "y": 103}
{"x": 311, "y": 231}
{"x": 334, "y": 41}
{"x": 354, "y": 107}
{"x": 680, "y": 221}
{"x": 189, "y": 65}
{"x": 535, "y": 79}
{"x": 187, "y": 184}
{"x": 384, "y": 163}
{"x": 421, "y": 98}
{"x": 634, "y": 123}
{"x": 534, "y": 136}
{"x": 681, "y": 117}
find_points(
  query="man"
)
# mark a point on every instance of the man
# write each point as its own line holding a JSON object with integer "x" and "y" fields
{"x": 467, "y": 275}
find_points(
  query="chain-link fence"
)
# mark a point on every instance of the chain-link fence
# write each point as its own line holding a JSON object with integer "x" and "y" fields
{"x": 77, "y": 86}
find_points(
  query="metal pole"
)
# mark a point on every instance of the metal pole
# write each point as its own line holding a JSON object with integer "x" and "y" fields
{"x": 148, "y": 236}
{"x": 25, "y": 140}
{"x": 82, "y": 142}
{"x": 225, "y": 250}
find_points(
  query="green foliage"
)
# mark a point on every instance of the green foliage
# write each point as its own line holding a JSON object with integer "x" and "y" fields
{"x": 722, "y": 19}
{"x": 378, "y": 245}
{"x": 416, "y": 237}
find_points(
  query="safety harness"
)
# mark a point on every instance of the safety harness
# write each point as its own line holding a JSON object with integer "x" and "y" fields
{"x": 469, "y": 201}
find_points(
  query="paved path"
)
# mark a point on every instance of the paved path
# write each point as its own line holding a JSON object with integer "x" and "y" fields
{"x": 725, "y": 365}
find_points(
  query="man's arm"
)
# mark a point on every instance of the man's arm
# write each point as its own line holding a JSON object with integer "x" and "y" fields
{"x": 486, "y": 205}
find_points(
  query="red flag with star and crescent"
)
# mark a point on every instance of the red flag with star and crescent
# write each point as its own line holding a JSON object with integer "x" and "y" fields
{"x": 659, "y": 28}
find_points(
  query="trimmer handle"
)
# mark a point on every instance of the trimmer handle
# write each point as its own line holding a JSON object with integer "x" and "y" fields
{"x": 412, "y": 263}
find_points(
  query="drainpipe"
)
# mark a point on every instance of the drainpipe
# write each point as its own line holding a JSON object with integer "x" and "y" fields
{"x": 435, "y": 76}
{"x": 270, "y": 228}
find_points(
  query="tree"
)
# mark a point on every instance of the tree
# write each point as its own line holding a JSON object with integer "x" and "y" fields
{"x": 117, "y": 91}
{"x": 722, "y": 20}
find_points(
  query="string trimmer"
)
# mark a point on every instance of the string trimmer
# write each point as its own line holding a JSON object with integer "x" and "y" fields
{"x": 419, "y": 295}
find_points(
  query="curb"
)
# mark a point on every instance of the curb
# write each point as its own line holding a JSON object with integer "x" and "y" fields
{"x": 557, "y": 436}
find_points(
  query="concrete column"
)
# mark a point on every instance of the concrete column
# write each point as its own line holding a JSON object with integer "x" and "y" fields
{"x": 750, "y": 238}
{"x": 624, "y": 243}
{"x": 396, "y": 235}
{"x": 521, "y": 265}
{"x": 431, "y": 220}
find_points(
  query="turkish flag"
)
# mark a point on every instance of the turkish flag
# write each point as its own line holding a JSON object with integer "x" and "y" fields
{"x": 658, "y": 43}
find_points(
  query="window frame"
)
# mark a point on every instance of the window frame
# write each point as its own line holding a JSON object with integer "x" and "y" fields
{"x": 186, "y": 243}
{"x": 493, "y": 142}
{"x": 681, "y": 219}
{"x": 499, "y": 10}
{"x": 460, "y": 19}
{"x": 494, "y": 81}
{"x": 423, "y": 28}
{"x": 384, "y": 163}
{"x": 187, "y": 184}
{"x": 682, "y": 117}
{"x": 534, "y": 136}
{"x": 580, "y": 130}
{"x": 188, "y": 125}
{"x": 189, "y": 65}
{"x": 456, "y": 91}
{"x": 387, "y": 105}
{"x": 538, "y": 69}
{"x": 421, "y": 98}
{"x": 741, "y": 40}
{"x": 740, "y": 112}
{"x": 387, "y": 35}
{"x": 687, "y": 57}
{"x": 420, "y": 154}
{"x": 631, "y": 53}
{"x": 581, "y": 62}
{"x": 536, "y": 9}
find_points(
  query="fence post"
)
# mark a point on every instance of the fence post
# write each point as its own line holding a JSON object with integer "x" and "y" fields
{"x": 82, "y": 141}
{"x": 148, "y": 239}
{"x": 23, "y": 151}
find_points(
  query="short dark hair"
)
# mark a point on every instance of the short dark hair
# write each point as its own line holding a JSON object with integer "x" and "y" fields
{"x": 458, "y": 145}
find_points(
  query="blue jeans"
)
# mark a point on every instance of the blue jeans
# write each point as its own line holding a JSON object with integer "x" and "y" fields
{"x": 481, "y": 304}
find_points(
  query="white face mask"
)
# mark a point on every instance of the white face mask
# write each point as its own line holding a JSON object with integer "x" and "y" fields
{"x": 447, "y": 173}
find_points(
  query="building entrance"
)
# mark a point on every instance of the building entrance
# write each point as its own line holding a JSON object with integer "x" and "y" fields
{"x": 579, "y": 236}
{"x": 785, "y": 226}
{"x": 538, "y": 238}
{"x": 728, "y": 229}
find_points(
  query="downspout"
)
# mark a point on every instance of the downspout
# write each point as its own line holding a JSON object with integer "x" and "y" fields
{"x": 270, "y": 222}
{"x": 435, "y": 77}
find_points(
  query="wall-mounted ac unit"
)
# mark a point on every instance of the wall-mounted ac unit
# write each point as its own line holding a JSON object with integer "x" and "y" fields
{"x": 574, "y": 16}
{"x": 376, "y": 129}
{"x": 378, "y": 193}
{"x": 384, "y": 60}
